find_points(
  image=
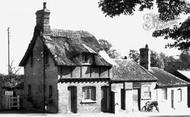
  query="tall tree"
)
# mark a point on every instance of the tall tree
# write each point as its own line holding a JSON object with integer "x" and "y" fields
{"x": 134, "y": 54}
{"x": 155, "y": 58}
{"x": 168, "y": 10}
{"x": 107, "y": 47}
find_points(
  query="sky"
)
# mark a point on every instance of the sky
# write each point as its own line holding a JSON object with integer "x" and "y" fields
{"x": 123, "y": 32}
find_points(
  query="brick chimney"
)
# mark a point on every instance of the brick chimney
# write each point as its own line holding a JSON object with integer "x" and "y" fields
{"x": 145, "y": 57}
{"x": 42, "y": 19}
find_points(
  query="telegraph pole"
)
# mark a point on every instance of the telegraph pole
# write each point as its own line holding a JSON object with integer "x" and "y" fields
{"x": 8, "y": 31}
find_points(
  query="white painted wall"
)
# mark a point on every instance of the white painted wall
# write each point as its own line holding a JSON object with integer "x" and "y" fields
{"x": 165, "y": 103}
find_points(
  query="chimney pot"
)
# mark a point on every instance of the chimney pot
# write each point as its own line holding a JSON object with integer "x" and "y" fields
{"x": 44, "y": 5}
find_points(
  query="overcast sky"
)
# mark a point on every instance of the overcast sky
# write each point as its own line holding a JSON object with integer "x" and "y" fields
{"x": 123, "y": 32}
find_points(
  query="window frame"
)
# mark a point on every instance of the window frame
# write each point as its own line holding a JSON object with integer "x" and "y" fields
{"x": 146, "y": 94}
{"x": 180, "y": 98}
{"x": 89, "y": 94}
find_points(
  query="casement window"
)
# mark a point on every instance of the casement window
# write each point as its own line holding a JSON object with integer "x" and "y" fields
{"x": 89, "y": 94}
{"x": 179, "y": 95}
{"x": 146, "y": 92}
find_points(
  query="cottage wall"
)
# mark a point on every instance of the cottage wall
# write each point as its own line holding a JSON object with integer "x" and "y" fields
{"x": 34, "y": 77}
{"x": 87, "y": 75}
{"x": 165, "y": 99}
{"x": 51, "y": 79}
{"x": 133, "y": 92}
{"x": 64, "y": 103}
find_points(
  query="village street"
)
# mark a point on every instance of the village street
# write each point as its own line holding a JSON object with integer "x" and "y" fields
{"x": 101, "y": 115}
{"x": 167, "y": 113}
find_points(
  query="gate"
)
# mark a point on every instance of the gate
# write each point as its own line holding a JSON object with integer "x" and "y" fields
{"x": 11, "y": 102}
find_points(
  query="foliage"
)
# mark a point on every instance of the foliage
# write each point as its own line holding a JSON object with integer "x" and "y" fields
{"x": 106, "y": 46}
{"x": 134, "y": 54}
{"x": 167, "y": 9}
{"x": 155, "y": 58}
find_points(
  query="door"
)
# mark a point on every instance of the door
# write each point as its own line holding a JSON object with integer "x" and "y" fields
{"x": 128, "y": 100}
{"x": 172, "y": 98}
{"x": 73, "y": 99}
{"x": 123, "y": 99}
{"x": 105, "y": 99}
{"x": 136, "y": 99}
{"x": 112, "y": 102}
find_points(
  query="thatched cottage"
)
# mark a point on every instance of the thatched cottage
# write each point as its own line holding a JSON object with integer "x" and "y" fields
{"x": 63, "y": 69}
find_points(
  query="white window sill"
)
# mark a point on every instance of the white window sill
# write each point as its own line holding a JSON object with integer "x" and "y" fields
{"x": 88, "y": 101}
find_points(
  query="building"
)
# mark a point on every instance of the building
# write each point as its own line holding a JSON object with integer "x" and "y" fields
{"x": 184, "y": 75}
{"x": 131, "y": 86}
{"x": 64, "y": 71}
{"x": 171, "y": 91}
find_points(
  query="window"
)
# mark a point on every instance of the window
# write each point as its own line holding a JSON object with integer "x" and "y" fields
{"x": 85, "y": 58}
{"x": 29, "y": 91}
{"x": 89, "y": 94}
{"x": 31, "y": 58}
{"x": 146, "y": 92}
{"x": 50, "y": 92}
{"x": 46, "y": 57}
{"x": 29, "y": 98}
{"x": 180, "y": 95}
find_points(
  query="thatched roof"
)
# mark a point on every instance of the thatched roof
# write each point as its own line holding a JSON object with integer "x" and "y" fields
{"x": 130, "y": 71}
{"x": 65, "y": 47}
{"x": 166, "y": 79}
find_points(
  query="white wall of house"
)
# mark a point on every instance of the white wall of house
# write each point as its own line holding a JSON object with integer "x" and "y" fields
{"x": 131, "y": 95}
{"x": 164, "y": 98}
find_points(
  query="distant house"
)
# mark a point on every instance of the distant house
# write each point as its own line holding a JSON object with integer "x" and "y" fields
{"x": 131, "y": 86}
{"x": 64, "y": 71}
{"x": 171, "y": 90}
{"x": 184, "y": 75}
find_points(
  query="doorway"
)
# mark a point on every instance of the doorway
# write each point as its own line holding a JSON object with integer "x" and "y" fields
{"x": 73, "y": 99}
{"x": 105, "y": 99}
{"x": 136, "y": 99}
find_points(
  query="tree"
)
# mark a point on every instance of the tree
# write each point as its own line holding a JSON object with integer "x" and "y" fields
{"x": 134, "y": 54}
{"x": 155, "y": 58}
{"x": 106, "y": 46}
{"x": 168, "y": 10}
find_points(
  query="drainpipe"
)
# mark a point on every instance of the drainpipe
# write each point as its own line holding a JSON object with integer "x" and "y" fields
{"x": 44, "y": 77}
